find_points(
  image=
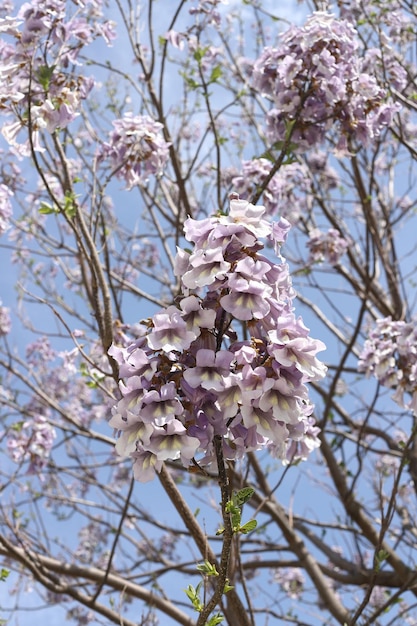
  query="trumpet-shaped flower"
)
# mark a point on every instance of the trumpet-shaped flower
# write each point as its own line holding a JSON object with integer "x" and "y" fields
{"x": 170, "y": 331}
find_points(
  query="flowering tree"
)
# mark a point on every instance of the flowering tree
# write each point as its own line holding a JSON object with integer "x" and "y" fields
{"x": 184, "y": 194}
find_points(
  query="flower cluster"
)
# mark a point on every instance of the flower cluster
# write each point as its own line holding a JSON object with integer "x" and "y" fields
{"x": 92, "y": 545}
{"x": 315, "y": 79}
{"x": 5, "y": 320}
{"x": 5, "y": 208}
{"x": 207, "y": 11}
{"x": 328, "y": 247}
{"x": 291, "y": 580}
{"x": 36, "y": 87}
{"x": 390, "y": 354}
{"x": 190, "y": 377}
{"x": 81, "y": 398}
{"x": 136, "y": 149}
{"x": 32, "y": 441}
{"x": 282, "y": 196}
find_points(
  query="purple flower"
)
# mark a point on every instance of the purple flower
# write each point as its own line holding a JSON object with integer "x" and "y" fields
{"x": 299, "y": 352}
{"x": 145, "y": 464}
{"x": 266, "y": 425}
{"x": 172, "y": 442}
{"x": 162, "y": 406}
{"x": 130, "y": 432}
{"x": 175, "y": 39}
{"x": 241, "y": 211}
{"x": 133, "y": 360}
{"x": 206, "y": 267}
{"x": 210, "y": 371}
{"x": 282, "y": 407}
{"x": 170, "y": 331}
{"x": 194, "y": 315}
{"x": 247, "y": 299}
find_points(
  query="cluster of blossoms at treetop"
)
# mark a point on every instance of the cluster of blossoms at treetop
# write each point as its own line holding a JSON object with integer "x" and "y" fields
{"x": 37, "y": 90}
{"x": 136, "y": 149}
{"x": 229, "y": 359}
{"x": 390, "y": 354}
{"x": 316, "y": 78}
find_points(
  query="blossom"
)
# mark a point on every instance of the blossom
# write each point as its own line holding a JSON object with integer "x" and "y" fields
{"x": 37, "y": 90}
{"x": 247, "y": 299}
{"x": 5, "y": 208}
{"x": 136, "y": 149}
{"x": 172, "y": 442}
{"x": 162, "y": 406}
{"x": 170, "y": 331}
{"x": 282, "y": 194}
{"x": 390, "y": 355}
{"x": 5, "y": 320}
{"x": 32, "y": 440}
{"x": 210, "y": 371}
{"x": 329, "y": 246}
{"x": 206, "y": 266}
{"x": 175, "y": 38}
{"x": 191, "y": 377}
{"x": 145, "y": 464}
{"x": 291, "y": 580}
{"x": 194, "y": 315}
{"x": 316, "y": 79}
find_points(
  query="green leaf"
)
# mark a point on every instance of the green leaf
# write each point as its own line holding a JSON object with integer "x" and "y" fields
{"x": 4, "y": 574}
{"x": 44, "y": 75}
{"x": 244, "y": 495}
{"x": 193, "y": 84}
{"x": 17, "y": 426}
{"x": 248, "y": 527}
{"x": 83, "y": 369}
{"x": 207, "y": 568}
{"x": 380, "y": 557}
{"x": 216, "y": 73}
{"x": 47, "y": 209}
{"x": 194, "y": 596}
{"x": 216, "y": 619}
{"x": 70, "y": 208}
{"x": 200, "y": 53}
{"x": 236, "y": 516}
